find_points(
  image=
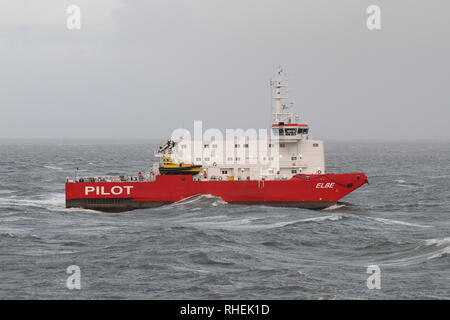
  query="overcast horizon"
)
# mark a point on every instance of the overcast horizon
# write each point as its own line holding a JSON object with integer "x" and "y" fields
{"x": 138, "y": 70}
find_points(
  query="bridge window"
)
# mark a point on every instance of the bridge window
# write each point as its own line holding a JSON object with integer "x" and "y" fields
{"x": 293, "y": 171}
{"x": 282, "y": 145}
{"x": 293, "y": 158}
{"x": 224, "y": 171}
{"x": 291, "y": 131}
{"x": 315, "y": 144}
{"x": 206, "y": 146}
{"x": 303, "y": 130}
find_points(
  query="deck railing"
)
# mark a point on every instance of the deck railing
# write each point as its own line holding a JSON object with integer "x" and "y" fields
{"x": 149, "y": 178}
{"x": 124, "y": 178}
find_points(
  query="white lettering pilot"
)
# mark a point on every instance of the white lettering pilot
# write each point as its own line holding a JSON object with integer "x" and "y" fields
{"x": 100, "y": 191}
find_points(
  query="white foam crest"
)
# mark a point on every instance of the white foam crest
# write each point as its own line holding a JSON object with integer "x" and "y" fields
{"x": 63, "y": 208}
{"x": 47, "y": 252}
{"x": 418, "y": 258}
{"x": 442, "y": 253}
{"x": 230, "y": 224}
{"x": 439, "y": 177}
{"x": 393, "y": 222}
{"x": 16, "y": 232}
{"x": 54, "y": 200}
{"x": 444, "y": 249}
{"x": 437, "y": 242}
{"x": 334, "y": 207}
{"x": 333, "y": 217}
{"x": 406, "y": 261}
{"x": 248, "y": 223}
{"x": 53, "y": 167}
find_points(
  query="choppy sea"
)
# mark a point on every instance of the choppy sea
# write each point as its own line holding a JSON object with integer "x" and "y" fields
{"x": 204, "y": 248}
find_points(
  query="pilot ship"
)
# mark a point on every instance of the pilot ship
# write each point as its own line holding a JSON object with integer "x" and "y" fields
{"x": 285, "y": 168}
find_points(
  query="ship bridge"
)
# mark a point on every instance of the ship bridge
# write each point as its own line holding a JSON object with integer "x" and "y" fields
{"x": 290, "y": 130}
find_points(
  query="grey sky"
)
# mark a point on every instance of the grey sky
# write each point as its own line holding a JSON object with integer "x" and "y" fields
{"x": 139, "y": 69}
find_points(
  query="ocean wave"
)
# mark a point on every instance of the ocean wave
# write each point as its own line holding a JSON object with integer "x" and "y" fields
{"x": 393, "y": 174}
{"x": 335, "y": 207}
{"x": 384, "y": 243}
{"x": 396, "y": 222}
{"x": 53, "y": 168}
{"x": 334, "y": 217}
{"x": 249, "y": 224}
{"x": 441, "y": 254}
{"x": 75, "y": 210}
{"x": 18, "y": 234}
{"x": 187, "y": 269}
{"x": 39, "y": 253}
{"x": 417, "y": 259}
{"x": 437, "y": 242}
{"x": 446, "y": 176}
{"x": 408, "y": 184}
{"x": 54, "y": 200}
{"x": 202, "y": 257}
{"x": 6, "y": 191}
{"x": 425, "y": 250}
{"x": 8, "y": 235}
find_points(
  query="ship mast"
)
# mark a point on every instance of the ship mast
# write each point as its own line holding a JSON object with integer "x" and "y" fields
{"x": 281, "y": 112}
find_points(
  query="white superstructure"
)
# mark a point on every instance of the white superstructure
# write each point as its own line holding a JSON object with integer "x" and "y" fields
{"x": 278, "y": 155}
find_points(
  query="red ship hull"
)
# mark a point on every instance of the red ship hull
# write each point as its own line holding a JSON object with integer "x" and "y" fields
{"x": 302, "y": 191}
